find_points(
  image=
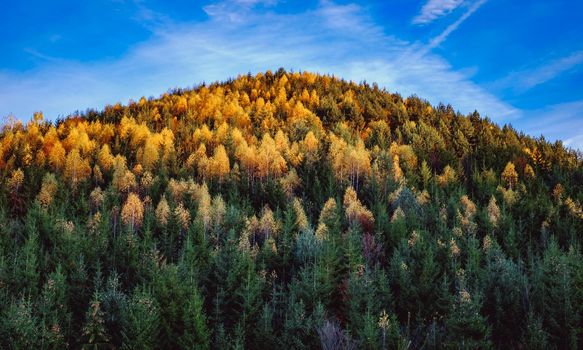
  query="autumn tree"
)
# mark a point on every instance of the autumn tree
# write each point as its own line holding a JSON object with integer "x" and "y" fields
{"x": 509, "y": 175}
{"x": 77, "y": 169}
{"x": 132, "y": 213}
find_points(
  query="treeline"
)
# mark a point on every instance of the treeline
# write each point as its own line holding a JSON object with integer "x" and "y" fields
{"x": 287, "y": 210}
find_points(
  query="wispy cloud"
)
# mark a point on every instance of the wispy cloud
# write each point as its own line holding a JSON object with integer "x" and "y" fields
{"x": 336, "y": 39}
{"x": 452, "y": 27}
{"x": 561, "y": 121}
{"x": 434, "y": 9}
{"x": 531, "y": 77}
{"x": 235, "y": 10}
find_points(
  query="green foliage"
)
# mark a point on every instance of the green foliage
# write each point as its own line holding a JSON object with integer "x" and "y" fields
{"x": 459, "y": 233}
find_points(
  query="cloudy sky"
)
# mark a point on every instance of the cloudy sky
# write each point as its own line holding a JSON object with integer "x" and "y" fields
{"x": 518, "y": 62}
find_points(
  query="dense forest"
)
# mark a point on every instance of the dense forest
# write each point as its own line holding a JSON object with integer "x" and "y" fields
{"x": 288, "y": 210}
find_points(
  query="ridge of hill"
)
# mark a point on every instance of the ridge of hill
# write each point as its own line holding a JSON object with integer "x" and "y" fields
{"x": 289, "y": 209}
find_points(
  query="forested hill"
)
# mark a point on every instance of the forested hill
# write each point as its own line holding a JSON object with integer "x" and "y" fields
{"x": 288, "y": 210}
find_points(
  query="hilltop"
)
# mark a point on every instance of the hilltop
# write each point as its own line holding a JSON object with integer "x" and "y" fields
{"x": 287, "y": 209}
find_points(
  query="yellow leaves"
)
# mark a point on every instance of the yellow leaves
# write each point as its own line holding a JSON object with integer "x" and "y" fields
{"x": 123, "y": 179}
{"x": 77, "y": 168}
{"x": 447, "y": 177}
{"x": 204, "y": 212}
{"x": 57, "y": 156}
{"x": 218, "y": 165}
{"x": 406, "y": 155}
{"x": 301, "y": 219}
{"x": 328, "y": 213}
{"x": 493, "y": 212}
{"x": 397, "y": 171}
{"x": 574, "y": 208}
{"x": 163, "y": 212}
{"x": 529, "y": 172}
{"x": 509, "y": 175}
{"x": 218, "y": 211}
{"x": 509, "y": 196}
{"x": 356, "y": 212}
{"x": 181, "y": 105}
{"x": 48, "y": 190}
{"x": 150, "y": 154}
{"x": 16, "y": 180}
{"x": 132, "y": 213}
{"x": 349, "y": 162}
{"x": 268, "y": 226}
{"x": 202, "y": 135}
{"x": 182, "y": 216}
{"x": 311, "y": 144}
{"x": 269, "y": 160}
{"x": 96, "y": 197}
{"x": 105, "y": 159}
{"x": 290, "y": 182}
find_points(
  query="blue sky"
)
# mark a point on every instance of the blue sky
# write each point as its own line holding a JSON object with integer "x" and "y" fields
{"x": 518, "y": 62}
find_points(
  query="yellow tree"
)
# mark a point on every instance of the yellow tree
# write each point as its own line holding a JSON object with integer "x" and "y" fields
{"x": 48, "y": 190}
{"x": 150, "y": 154}
{"x": 449, "y": 176}
{"x": 132, "y": 213}
{"x": 219, "y": 163}
{"x": 105, "y": 159}
{"x": 301, "y": 218}
{"x": 163, "y": 212}
{"x": 310, "y": 144}
{"x": 204, "y": 213}
{"x": 77, "y": 169}
{"x": 57, "y": 156}
{"x": 509, "y": 175}
{"x": 16, "y": 180}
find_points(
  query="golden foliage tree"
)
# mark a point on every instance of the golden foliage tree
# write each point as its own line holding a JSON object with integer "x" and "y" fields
{"x": 132, "y": 213}
{"x": 163, "y": 212}
{"x": 509, "y": 175}
{"x": 77, "y": 169}
{"x": 48, "y": 190}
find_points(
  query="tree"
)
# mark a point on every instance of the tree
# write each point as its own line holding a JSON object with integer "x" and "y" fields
{"x": 94, "y": 331}
{"x": 466, "y": 328}
{"x": 132, "y": 213}
{"x": 195, "y": 332}
{"x": 509, "y": 175}
{"x": 163, "y": 212}
{"x": 141, "y": 322}
{"x": 48, "y": 190}
{"x": 219, "y": 164}
{"x": 77, "y": 169}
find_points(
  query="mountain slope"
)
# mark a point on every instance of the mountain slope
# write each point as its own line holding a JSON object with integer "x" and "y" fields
{"x": 292, "y": 209}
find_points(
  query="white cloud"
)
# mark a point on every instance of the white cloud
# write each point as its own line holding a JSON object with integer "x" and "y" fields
{"x": 452, "y": 27}
{"x": 524, "y": 80}
{"x": 336, "y": 39}
{"x": 556, "y": 122}
{"x": 235, "y": 10}
{"x": 433, "y": 9}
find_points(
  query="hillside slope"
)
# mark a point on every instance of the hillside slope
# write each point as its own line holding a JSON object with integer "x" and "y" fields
{"x": 287, "y": 209}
